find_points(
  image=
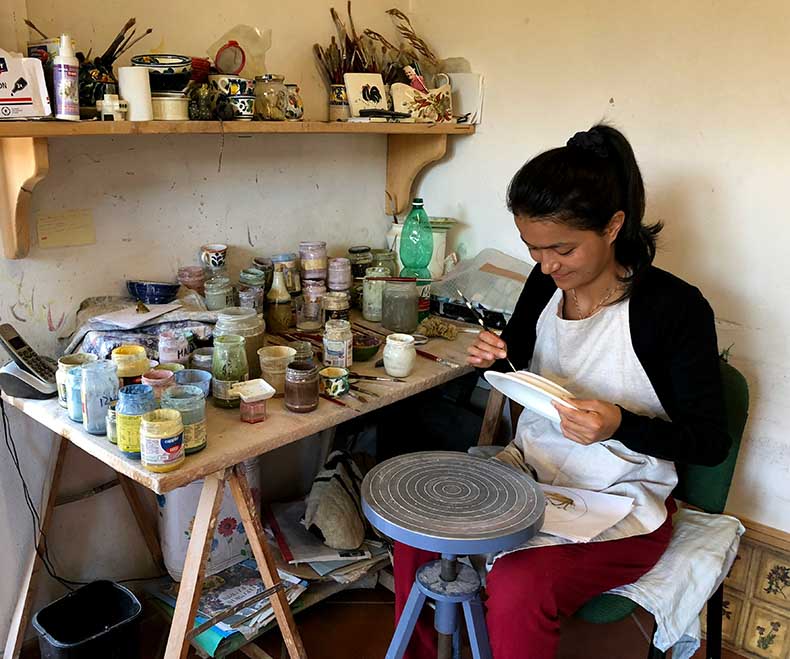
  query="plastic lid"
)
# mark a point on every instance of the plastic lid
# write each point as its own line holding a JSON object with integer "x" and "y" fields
{"x": 66, "y": 48}
{"x": 252, "y": 391}
{"x": 418, "y": 201}
{"x": 230, "y": 58}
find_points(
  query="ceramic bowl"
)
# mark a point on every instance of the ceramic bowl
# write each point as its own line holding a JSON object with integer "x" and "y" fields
{"x": 167, "y": 72}
{"x": 334, "y": 381}
{"x": 243, "y": 107}
{"x": 196, "y": 378}
{"x": 365, "y": 347}
{"x": 152, "y": 292}
{"x": 231, "y": 85}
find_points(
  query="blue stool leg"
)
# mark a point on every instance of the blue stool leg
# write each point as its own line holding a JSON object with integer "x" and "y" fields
{"x": 476, "y": 628}
{"x": 457, "y": 643}
{"x": 405, "y": 628}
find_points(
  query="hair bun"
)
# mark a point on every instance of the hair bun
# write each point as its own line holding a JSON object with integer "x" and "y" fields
{"x": 587, "y": 140}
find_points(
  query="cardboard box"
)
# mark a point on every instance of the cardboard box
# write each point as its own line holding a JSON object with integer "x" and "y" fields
{"x": 23, "y": 92}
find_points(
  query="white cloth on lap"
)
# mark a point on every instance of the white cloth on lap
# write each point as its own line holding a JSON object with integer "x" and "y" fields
{"x": 698, "y": 558}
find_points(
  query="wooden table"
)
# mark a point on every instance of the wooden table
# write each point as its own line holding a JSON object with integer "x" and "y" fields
{"x": 230, "y": 442}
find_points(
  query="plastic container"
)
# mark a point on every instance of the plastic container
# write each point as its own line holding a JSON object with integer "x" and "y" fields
{"x": 313, "y": 260}
{"x": 338, "y": 344}
{"x": 301, "y": 387}
{"x": 132, "y": 362}
{"x": 134, "y": 400}
{"x": 228, "y": 367}
{"x": 254, "y": 395}
{"x": 99, "y": 389}
{"x": 162, "y": 440}
{"x": 245, "y": 323}
{"x": 416, "y": 243}
{"x": 339, "y": 277}
{"x": 65, "y": 364}
{"x": 273, "y": 361}
{"x": 65, "y": 71}
{"x": 100, "y": 619}
{"x": 190, "y": 401}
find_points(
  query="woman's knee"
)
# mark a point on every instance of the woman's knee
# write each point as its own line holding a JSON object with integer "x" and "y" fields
{"x": 525, "y": 582}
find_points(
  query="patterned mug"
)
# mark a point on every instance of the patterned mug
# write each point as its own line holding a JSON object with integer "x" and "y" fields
{"x": 214, "y": 255}
{"x": 334, "y": 381}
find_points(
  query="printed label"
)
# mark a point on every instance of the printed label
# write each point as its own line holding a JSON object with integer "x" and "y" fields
{"x": 66, "y": 90}
{"x": 221, "y": 389}
{"x": 338, "y": 353}
{"x": 313, "y": 264}
{"x": 162, "y": 451}
{"x": 194, "y": 435}
{"x": 128, "y": 431}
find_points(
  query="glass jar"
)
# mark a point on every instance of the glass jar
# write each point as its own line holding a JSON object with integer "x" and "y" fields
{"x": 74, "y": 393}
{"x": 190, "y": 401}
{"x": 243, "y": 322}
{"x": 399, "y": 306}
{"x": 336, "y": 305}
{"x": 229, "y": 366}
{"x": 399, "y": 355}
{"x": 372, "y": 292}
{"x": 304, "y": 351}
{"x": 65, "y": 364}
{"x": 219, "y": 293}
{"x": 192, "y": 277}
{"x": 361, "y": 258}
{"x": 313, "y": 259}
{"x": 301, "y": 387}
{"x": 173, "y": 347}
{"x": 132, "y": 362}
{"x": 338, "y": 344}
{"x": 99, "y": 389}
{"x": 279, "y": 311}
{"x": 162, "y": 440}
{"x": 385, "y": 258}
{"x": 158, "y": 380}
{"x": 134, "y": 400}
{"x": 313, "y": 293}
{"x": 274, "y": 360}
{"x": 252, "y": 411}
{"x": 112, "y": 429}
{"x": 271, "y": 97}
{"x": 339, "y": 278}
{"x": 252, "y": 289}
{"x": 290, "y": 268}
{"x": 202, "y": 359}
{"x": 265, "y": 265}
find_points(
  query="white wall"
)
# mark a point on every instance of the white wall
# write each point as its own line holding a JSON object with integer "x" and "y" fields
{"x": 699, "y": 89}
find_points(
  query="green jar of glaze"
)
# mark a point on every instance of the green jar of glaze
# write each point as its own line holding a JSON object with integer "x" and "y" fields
{"x": 189, "y": 400}
{"x": 229, "y": 366}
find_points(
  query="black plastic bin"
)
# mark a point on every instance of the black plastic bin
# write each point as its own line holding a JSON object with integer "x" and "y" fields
{"x": 99, "y": 620}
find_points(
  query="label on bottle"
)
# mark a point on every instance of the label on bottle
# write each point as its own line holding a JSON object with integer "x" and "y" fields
{"x": 221, "y": 389}
{"x": 338, "y": 353}
{"x": 313, "y": 264}
{"x": 194, "y": 435}
{"x": 128, "y": 431}
{"x": 162, "y": 451}
{"x": 66, "y": 90}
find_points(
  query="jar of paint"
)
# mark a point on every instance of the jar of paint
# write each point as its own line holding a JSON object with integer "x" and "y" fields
{"x": 399, "y": 355}
{"x": 384, "y": 258}
{"x": 339, "y": 278}
{"x": 162, "y": 440}
{"x": 252, "y": 297}
{"x": 202, "y": 358}
{"x": 65, "y": 364}
{"x": 74, "y": 393}
{"x": 301, "y": 387}
{"x": 219, "y": 293}
{"x": 229, "y": 366}
{"x": 274, "y": 360}
{"x": 279, "y": 312}
{"x": 173, "y": 367}
{"x": 158, "y": 381}
{"x": 112, "y": 429}
{"x": 290, "y": 268}
{"x": 399, "y": 306}
{"x": 266, "y": 266}
{"x": 253, "y": 394}
{"x": 338, "y": 344}
{"x": 132, "y": 361}
{"x": 336, "y": 306}
{"x": 310, "y": 319}
{"x": 243, "y": 322}
{"x": 313, "y": 260}
{"x": 190, "y": 401}
{"x": 304, "y": 351}
{"x": 134, "y": 400}
{"x": 173, "y": 347}
{"x": 361, "y": 258}
{"x": 192, "y": 277}
{"x": 372, "y": 293}
{"x": 99, "y": 389}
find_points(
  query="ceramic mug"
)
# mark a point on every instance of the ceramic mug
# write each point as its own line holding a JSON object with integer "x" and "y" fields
{"x": 214, "y": 255}
{"x": 334, "y": 381}
{"x": 230, "y": 85}
{"x": 441, "y": 79}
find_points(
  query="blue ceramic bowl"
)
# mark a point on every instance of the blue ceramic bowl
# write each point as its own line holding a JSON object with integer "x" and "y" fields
{"x": 152, "y": 292}
{"x": 196, "y": 378}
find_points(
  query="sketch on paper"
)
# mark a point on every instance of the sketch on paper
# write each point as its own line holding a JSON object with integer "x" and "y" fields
{"x": 581, "y": 515}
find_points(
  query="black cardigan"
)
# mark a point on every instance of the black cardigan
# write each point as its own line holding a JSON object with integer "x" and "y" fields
{"x": 674, "y": 338}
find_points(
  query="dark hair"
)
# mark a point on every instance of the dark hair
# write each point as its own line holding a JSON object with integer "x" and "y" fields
{"x": 583, "y": 185}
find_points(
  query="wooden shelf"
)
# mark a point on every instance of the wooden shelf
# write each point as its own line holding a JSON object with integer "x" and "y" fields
{"x": 24, "y": 157}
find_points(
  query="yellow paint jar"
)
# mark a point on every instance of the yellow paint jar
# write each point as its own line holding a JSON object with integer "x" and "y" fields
{"x": 162, "y": 440}
{"x": 131, "y": 361}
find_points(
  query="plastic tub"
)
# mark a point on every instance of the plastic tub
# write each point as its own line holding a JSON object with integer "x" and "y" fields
{"x": 97, "y": 620}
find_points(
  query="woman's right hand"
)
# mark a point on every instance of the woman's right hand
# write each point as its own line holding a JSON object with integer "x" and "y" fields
{"x": 486, "y": 349}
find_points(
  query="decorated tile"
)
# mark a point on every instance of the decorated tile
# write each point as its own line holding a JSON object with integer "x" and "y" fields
{"x": 767, "y": 634}
{"x": 732, "y": 608}
{"x": 739, "y": 572}
{"x": 773, "y": 580}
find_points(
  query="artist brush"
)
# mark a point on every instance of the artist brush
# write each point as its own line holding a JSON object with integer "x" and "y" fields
{"x": 364, "y": 391}
{"x": 406, "y": 279}
{"x": 436, "y": 358}
{"x": 374, "y": 378}
{"x": 361, "y": 399}
{"x": 482, "y": 324}
{"x": 29, "y": 23}
{"x": 370, "y": 330}
{"x": 334, "y": 400}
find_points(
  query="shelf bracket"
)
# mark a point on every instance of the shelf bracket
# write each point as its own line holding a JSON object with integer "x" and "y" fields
{"x": 407, "y": 156}
{"x": 24, "y": 161}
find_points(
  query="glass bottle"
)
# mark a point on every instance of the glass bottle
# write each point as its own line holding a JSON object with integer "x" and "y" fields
{"x": 202, "y": 359}
{"x": 339, "y": 277}
{"x": 372, "y": 292}
{"x": 99, "y": 389}
{"x": 162, "y": 440}
{"x": 416, "y": 243}
{"x": 134, "y": 400}
{"x": 173, "y": 347}
{"x": 310, "y": 318}
{"x": 243, "y": 322}
{"x": 385, "y": 258}
{"x": 361, "y": 258}
{"x": 65, "y": 364}
{"x": 271, "y": 97}
{"x": 399, "y": 306}
{"x": 132, "y": 361}
{"x": 338, "y": 343}
{"x": 278, "y": 312}
{"x": 219, "y": 293}
{"x": 190, "y": 401}
{"x": 252, "y": 289}
{"x": 229, "y": 366}
{"x": 312, "y": 255}
{"x": 336, "y": 305}
{"x": 301, "y": 387}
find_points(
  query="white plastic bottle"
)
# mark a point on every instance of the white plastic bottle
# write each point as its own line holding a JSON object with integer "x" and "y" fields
{"x": 66, "y": 78}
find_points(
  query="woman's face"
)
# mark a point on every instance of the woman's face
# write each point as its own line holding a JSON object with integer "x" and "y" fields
{"x": 573, "y": 257}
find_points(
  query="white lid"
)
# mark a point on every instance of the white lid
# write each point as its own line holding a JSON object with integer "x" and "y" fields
{"x": 66, "y": 47}
{"x": 253, "y": 390}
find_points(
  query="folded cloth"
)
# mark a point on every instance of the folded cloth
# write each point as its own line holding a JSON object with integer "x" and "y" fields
{"x": 698, "y": 558}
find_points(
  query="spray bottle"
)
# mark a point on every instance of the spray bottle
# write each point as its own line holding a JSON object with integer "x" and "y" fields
{"x": 66, "y": 77}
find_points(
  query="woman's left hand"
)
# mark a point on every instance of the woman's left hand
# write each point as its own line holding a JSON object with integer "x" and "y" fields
{"x": 594, "y": 421}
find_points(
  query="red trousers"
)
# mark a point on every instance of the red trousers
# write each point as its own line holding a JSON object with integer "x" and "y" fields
{"x": 528, "y": 591}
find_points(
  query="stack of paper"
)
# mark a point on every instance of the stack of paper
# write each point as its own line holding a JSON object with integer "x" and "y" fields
{"x": 581, "y": 515}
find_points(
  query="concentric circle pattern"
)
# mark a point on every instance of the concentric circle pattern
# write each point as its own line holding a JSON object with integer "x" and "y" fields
{"x": 450, "y": 496}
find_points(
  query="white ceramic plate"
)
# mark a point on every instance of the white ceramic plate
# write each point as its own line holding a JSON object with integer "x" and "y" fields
{"x": 531, "y": 391}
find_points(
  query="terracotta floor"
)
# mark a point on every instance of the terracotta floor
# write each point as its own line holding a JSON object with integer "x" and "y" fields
{"x": 358, "y": 625}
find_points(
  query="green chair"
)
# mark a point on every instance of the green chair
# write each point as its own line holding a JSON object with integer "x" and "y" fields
{"x": 705, "y": 488}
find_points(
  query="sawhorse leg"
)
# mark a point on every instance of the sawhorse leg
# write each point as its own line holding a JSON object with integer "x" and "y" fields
{"x": 16, "y": 632}
{"x": 144, "y": 520}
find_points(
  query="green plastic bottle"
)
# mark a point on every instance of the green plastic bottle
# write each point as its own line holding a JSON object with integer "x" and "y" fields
{"x": 416, "y": 243}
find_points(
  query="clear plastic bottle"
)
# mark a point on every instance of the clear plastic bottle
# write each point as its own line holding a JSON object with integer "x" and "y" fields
{"x": 416, "y": 243}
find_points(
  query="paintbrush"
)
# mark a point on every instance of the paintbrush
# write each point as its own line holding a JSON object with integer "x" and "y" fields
{"x": 367, "y": 392}
{"x": 29, "y": 23}
{"x": 334, "y": 400}
{"x": 374, "y": 378}
{"x": 482, "y": 324}
{"x": 435, "y": 358}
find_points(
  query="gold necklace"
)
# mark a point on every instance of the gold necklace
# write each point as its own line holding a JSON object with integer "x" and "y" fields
{"x": 603, "y": 301}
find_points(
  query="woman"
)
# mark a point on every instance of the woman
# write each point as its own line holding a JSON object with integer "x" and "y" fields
{"x": 636, "y": 345}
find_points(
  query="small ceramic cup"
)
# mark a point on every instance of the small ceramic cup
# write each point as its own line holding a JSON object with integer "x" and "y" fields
{"x": 214, "y": 255}
{"x": 243, "y": 107}
{"x": 334, "y": 381}
{"x": 230, "y": 84}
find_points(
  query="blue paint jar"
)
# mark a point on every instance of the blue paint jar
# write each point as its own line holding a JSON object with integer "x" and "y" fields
{"x": 134, "y": 400}
{"x": 73, "y": 393}
{"x": 99, "y": 389}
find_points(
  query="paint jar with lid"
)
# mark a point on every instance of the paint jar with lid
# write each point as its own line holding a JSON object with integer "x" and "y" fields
{"x": 338, "y": 343}
{"x": 304, "y": 351}
{"x": 74, "y": 393}
{"x": 399, "y": 355}
{"x": 162, "y": 440}
{"x": 132, "y": 361}
{"x": 229, "y": 366}
{"x": 219, "y": 293}
{"x": 274, "y": 360}
{"x": 99, "y": 389}
{"x": 192, "y": 277}
{"x": 290, "y": 268}
{"x": 65, "y": 364}
{"x": 190, "y": 401}
{"x": 246, "y": 323}
{"x": 313, "y": 259}
{"x": 265, "y": 265}
{"x": 336, "y": 305}
{"x": 253, "y": 394}
{"x": 134, "y": 400}
{"x": 158, "y": 380}
{"x": 112, "y": 428}
{"x": 301, "y": 387}
{"x": 399, "y": 306}
{"x": 339, "y": 278}
{"x": 310, "y": 318}
{"x": 173, "y": 347}
{"x": 361, "y": 258}
{"x": 252, "y": 289}
{"x": 201, "y": 359}
{"x": 372, "y": 293}
{"x": 385, "y": 258}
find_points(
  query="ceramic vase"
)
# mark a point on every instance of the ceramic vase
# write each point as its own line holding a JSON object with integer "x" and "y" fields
{"x": 338, "y": 103}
